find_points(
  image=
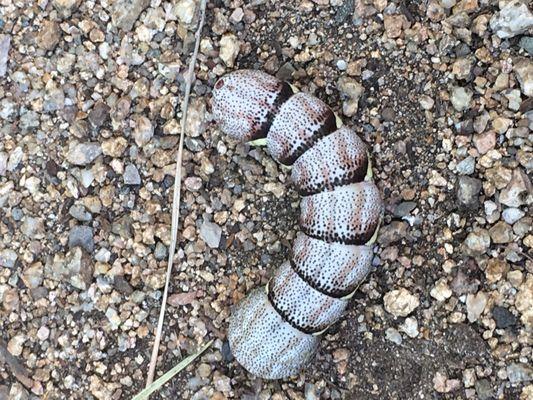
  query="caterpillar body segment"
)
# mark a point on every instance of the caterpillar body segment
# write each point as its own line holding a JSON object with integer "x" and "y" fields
{"x": 301, "y": 121}
{"x": 338, "y": 159}
{"x": 264, "y": 343}
{"x": 349, "y": 214}
{"x": 307, "y": 309}
{"x": 335, "y": 269}
{"x": 275, "y": 332}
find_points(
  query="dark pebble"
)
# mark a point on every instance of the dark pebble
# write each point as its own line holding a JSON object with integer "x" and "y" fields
{"x": 404, "y": 208}
{"x": 465, "y": 127}
{"x": 122, "y": 285}
{"x": 285, "y": 72}
{"x": 484, "y": 389}
{"x": 393, "y": 232}
{"x": 344, "y": 11}
{"x": 227, "y": 356}
{"x": 99, "y": 114}
{"x": 17, "y": 214}
{"x": 526, "y": 105}
{"x": 503, "y": 317}
{"x": 52, "y": 168}
{"x": 462, "y": 50}
{"x": 82, "y": 236}
{"x": 468, "y": 190}
{"x": 36, "y": 294}
{"x": 526, "y": 42}
{"x": 168, "y": 181}
{"x": 388, "y": 114}
{"x": 194, "y": 145}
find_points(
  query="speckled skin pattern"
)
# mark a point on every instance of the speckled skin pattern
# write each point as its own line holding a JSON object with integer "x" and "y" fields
{"x": 275, "y": 332}
{"x": 245, "y": 103}
{"x": 340, "y": 159}
{"x": 334, "y": 269}
{"x": 299, "y": 304}
{"x": 349, "y": 214}
{"x": 301, "y": 121}
{"x": 264, "y": 343}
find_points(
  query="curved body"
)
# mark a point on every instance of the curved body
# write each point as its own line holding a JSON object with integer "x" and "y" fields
{"x": 274, "y": 332}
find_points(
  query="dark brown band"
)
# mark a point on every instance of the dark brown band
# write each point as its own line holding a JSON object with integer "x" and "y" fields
{"x": 336, "y": 293}
{"x": 355, "y": 176}
{"x": 285, "y": 317}
{"x": 284, "y": 94}
{"x": 359, "y": 239}
{"x": 328, "y": 126}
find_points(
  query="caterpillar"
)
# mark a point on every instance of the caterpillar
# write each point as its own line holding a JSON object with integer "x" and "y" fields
{"x": 275, "y": 331}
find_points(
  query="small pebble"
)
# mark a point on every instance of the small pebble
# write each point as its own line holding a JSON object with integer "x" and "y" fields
{"x": 81, "y": 235}
{"x": 131, "y": 175}
{"x": 211, "y": 234}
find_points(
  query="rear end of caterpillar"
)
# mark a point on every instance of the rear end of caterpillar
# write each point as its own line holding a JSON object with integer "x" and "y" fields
{"x": 274, "y": 332}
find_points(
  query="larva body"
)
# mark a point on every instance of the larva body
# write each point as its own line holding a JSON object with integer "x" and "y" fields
{"x": 274, "y": 332}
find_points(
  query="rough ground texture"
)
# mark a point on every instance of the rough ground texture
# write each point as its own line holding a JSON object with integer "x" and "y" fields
{"x": 441, "y": 91}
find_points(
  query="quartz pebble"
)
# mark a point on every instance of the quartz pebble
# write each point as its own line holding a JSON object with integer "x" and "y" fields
{"x": 400, "y": 302}
{"x": 524, "y": 74}
{"x": 460, "y": 98}
{"x": 8, "y": 258}
{"x": 5, "y": 42}
{"x": 184, "y": 10}
{"x": 441, "y": 291}
{"x": 83, "y": 153}
{"x": 229, "y": 49}
{"x": 131, "y": 175}
{"x": 426, "y": 102}
{"x": 351, "y": 90}
{"x": 410, "y": 327}
{"x": 514, "y": 18}
{"x": 393, "y": 335}
{"x": 511, "y": 215}
{"x": 211, "y": 234}
{"x": 3, "y": 163}
{"x": 475, "y": 305}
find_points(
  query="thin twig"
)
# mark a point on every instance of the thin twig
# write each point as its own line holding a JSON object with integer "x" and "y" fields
{"x": 145, "y": 393}
{"x": 176, "y": 197}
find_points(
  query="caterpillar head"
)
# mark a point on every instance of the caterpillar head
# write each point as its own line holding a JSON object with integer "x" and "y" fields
{"x": 245, "y": 103}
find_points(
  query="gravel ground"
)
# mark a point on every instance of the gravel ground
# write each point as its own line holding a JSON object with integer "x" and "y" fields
{"x": 441, "y": 90}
